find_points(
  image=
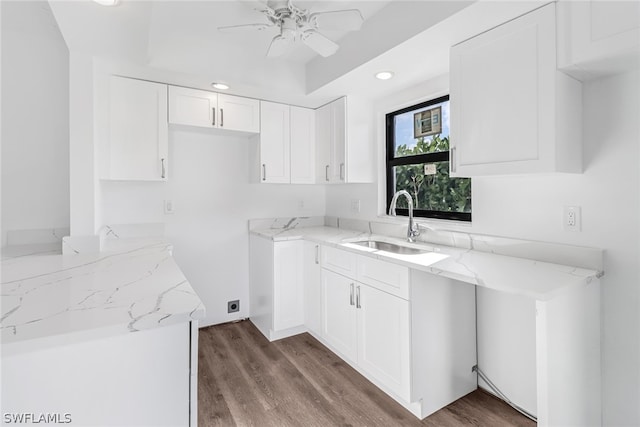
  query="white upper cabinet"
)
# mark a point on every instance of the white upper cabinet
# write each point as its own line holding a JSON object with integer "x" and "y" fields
{"x": 275, "y": 142}
{"x": 598, "y": 37}
{"x": 287, "y": 144}
{"x": 193, "y": 107}
{"x": 344, "y": 150}
{"x": 512, "y": 112}
{"x": 238, "y": 113}
{"x": 138, "y": 130}
{"x": 303, "y": 148}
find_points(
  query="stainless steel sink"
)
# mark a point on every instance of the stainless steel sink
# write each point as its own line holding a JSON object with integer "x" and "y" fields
{"x": 389, "y": 247}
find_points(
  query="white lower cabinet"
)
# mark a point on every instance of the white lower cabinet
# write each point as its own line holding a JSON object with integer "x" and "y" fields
{"x": 339, "y": 314}
{"x": 383, "y": 338}
{"x": 410, "y": 333}
{"x": 276, "y": 301}
{"x": 145, "y": 378}
{"x": 312, "y": 288}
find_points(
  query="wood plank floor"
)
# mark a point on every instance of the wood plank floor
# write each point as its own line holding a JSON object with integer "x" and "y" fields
{"x": 244, "y": 380}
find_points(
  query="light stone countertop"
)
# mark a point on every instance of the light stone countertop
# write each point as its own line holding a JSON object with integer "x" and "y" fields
{"x": 530, "y": 278}
{"x": 132, "y": 285}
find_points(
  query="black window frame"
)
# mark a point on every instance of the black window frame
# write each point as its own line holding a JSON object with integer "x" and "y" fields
{"x": 392, "y": 161}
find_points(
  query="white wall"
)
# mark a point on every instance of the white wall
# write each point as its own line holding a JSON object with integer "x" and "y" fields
{"x": 530, "y": 207}
{"x": 213, "y": 199}
{"x": 35, "y": 119}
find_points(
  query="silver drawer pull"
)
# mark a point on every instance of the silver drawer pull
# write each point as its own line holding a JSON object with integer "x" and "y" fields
{"x": 351, "y": 294}
{"x": 163, "y": 175}
{"x": 213, "y": 119}
{"x": 221, "y": 117}
{"x": 358, "y": 297}
{"x": 326, "y": 173}
{"x": 264, "y": 172}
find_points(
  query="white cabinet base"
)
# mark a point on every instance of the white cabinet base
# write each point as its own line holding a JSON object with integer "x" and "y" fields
{"x": 136, "y": 379}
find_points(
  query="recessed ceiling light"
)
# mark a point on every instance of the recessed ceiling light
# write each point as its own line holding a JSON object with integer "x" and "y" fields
{"x": 220, "y": 86}
{"x": 107, "y": 2}
{"x": 384, "y": 75}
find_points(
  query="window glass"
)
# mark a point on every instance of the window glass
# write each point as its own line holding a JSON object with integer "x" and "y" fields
{"x": 418, "y": 162}
{"x": 416, "y": 131}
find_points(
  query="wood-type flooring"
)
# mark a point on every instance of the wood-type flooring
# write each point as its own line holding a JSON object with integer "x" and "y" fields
{"x": 244, "y": 380}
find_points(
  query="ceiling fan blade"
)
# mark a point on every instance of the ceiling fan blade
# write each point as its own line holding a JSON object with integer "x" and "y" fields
{"x": 345, "y": 20}
{"x": 233, "y": 28}
{"x": 319, "y": 43}
{"x": 279, "y": 46}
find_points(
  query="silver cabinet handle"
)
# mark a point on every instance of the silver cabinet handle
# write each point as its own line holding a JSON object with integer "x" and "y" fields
{"x": 452, "y": 159}
{"x": 341, "y": 171}
{"x": 326, "y": 173}
{"x": 358, "y": 297}
{"x": 351, "y": 294}
{"x": 264, "y": 172}
{"x": 163, "y": 175}
{"x": 213, "y": 119}
{"x": 317, "y": 254}
{"x": 221, "y": 117}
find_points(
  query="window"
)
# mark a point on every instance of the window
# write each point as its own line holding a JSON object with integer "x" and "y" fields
{"x": 418, "y": 162}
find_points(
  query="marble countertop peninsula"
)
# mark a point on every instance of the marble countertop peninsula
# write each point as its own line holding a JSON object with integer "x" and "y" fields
{"x": 526, "y": 276}
{"x": 52, "y": 299}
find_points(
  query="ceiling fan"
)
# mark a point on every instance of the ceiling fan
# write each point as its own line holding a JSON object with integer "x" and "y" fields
{"x": 297, "y": 25}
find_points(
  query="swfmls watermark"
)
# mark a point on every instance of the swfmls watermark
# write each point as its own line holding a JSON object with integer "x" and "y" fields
{"x": 36, "y": 418}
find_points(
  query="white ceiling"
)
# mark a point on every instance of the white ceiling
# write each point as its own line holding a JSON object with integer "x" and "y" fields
{"x": 181, "y": 38}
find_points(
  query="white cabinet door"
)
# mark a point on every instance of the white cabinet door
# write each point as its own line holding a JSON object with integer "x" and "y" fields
{"x": 344, "y": 148}
{"x": 288, "y": 296}
{"x": 312, "y": 288}
{"x": 274, "y": 143}
{"x": 302, "y": 125}
{"x": 238, "y": 113}
{"x": 261, "y": 284}
{"x": 510, "y": 105}
{"x": 383, "y": 338}
{"x": 323, "y": 143}
{"x": 138, "y": 130}
{"x": 193, "y": 107}
{"x": 339, "y": 314}
{"x": 598, "y": 37}
{"x": 337, "y": 166}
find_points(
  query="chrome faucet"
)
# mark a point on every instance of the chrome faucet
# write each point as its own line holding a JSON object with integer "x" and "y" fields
{"x": 412, "y": 231}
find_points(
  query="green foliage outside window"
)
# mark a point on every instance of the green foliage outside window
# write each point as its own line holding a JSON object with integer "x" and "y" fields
{"x": 435, "y": 192}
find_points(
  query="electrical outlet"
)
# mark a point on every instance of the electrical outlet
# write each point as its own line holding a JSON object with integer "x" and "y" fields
{"x": 168, "y": 207}
{"x": 233, "y": 306}
{"x": 571, "y": 218}
{"x": 300, "y": 204}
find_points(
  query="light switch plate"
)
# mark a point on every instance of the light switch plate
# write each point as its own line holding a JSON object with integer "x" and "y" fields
{"x": 168, "y": 207}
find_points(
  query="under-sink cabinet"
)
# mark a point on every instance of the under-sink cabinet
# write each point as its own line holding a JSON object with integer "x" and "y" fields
{"x": 410, "y": 333}
{"x": 512, "y": 110}
{"x": 201, "y": 108}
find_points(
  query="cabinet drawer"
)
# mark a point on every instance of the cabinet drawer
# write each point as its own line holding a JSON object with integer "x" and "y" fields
{"x": 388, "y": 277}
{"x": 339, "y": 261}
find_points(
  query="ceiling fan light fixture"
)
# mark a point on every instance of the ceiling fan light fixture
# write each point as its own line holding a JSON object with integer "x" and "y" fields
{"x": 220, "y": 86}
{"x": 384, "y": 75}
{"x": 107, "y": 2}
